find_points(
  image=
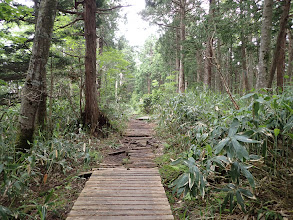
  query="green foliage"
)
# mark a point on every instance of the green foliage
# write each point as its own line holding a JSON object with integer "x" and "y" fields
{"x": 9, "y": 11}
{"x": 221, "y": 143}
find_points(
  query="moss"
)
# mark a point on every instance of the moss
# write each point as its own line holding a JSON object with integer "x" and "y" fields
{"x": 24, "y": 140}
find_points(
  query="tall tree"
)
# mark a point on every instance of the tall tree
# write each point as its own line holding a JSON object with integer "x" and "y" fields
{"x": 182, "y": 13}
{"x": 264, "y": 51}
{"x": 209, "y": 44}
{"x": 279, "y": 53}
{"x": 91, "y": 110}
{"x": 34, "y": 87}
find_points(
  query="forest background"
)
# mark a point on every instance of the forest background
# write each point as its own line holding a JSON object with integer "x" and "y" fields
{"x": 218, "y": 82}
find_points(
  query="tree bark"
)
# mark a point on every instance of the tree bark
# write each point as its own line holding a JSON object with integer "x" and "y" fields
{"x": 181, "y": 83}
{"x": 278, "y": 53}
{"x": 92, "y": 113}
{"x": 177, "y": 64}
{"x": 34, "y": 88}
{"x": 199, "y": 66}
{"x": 290, "y": 60}
{"x": 265, "y": 44}
{"x": 209, "y": 54}
{"x": 100, "y": 70}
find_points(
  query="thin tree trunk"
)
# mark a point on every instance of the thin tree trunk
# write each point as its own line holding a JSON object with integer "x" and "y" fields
{"x": 281, "y": 66}
{"x": 209, "y": 54}
{"x": 278, "y": 56}
{"x": 91, "y": 103}
{"x": 35, "y": 88}
{"x": 100, "y": 70}
{"x": 181, "y": 83}
{"x": 80, "y": 89}
{"x": 265, "y": 44}
{"x": 149, "y": 83}
{"x": 199, "y": 66}
{"x": 290, "y": 60}
{"x": 50, "y": 122}
{"x": 218, "y": 84}
{"x": 177, "y": 65}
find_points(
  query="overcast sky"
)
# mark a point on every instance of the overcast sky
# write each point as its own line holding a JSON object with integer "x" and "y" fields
{"x": 135, "y": 29}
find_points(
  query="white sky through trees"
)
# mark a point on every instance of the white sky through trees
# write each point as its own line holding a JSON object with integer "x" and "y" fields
{"x": 135, "y": 30}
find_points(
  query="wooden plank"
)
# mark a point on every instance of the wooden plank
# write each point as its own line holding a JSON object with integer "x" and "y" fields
{"x": 125, "y": 174}
{"x": 110, "y": 207}
{"x": 143, "y": 118}
{"x": 115, "y": 184}
{"x": 86, "y": 201}
{"x": 122, "y": 194}
{"x": 105, "y": 187}
{"x": 118, "y": 212}
{"x": 125, "y": 217}
{"x": 130, "y": 198}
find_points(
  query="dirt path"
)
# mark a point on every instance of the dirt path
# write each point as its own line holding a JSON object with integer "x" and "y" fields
{"x": 138, "y": 147}
{"x": 130, "y": 189}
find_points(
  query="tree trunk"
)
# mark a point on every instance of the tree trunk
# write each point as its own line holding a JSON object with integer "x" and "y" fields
{"x": 100, "y": 70}
{"x": 50, "y": 122}
{"x": 181, "y": 81}
{"x": 265, "y": 44}
{"x": 281, "y": 65}
{"x": 209, "y": 54}
{"x": 91, "y": 117}
{"x": 34, "y": 88}
{"x": 290, "y": 60}
{"x": 177, "y": 64}
{"x": 199, "y": 66}
{"x": 281, "y": 40}
{"x": 218, "y": 84}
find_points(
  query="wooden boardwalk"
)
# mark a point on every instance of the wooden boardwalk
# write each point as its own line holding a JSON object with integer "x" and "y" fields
{"x": 120, "y": 193}
{"x": 131, "y": 192}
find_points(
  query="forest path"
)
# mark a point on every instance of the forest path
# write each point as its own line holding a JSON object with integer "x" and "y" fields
{"x": 134, "y": 191}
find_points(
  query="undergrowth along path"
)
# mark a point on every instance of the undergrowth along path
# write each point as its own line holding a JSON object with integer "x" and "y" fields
{"x": 134, "y": 191}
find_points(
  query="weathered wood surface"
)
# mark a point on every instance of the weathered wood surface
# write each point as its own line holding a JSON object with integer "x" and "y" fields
{"x": 120, "y": 193}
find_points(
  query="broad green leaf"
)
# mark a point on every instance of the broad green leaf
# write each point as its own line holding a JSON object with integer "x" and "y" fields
{"x": 231, "y": 196}
{"x": 176, "y": 162}
{"x": 247, "y": 96}
{"x": 234, "y": 127}
{"x": 246, "y": 193}
{"x": 17, "y": 185}
{"x": 219, "y": 161}
{"x": 253, "y": 157}
{"x": 231, "y": 186}
{"x": 235, "y": 172}
{"x": 221, "y": 145}
{"x": 245, "y": 139}
{"x": 5, "y": 212}
{"x": 247, "y": 174}
{"x": 239, "y": 149}
{"x": 276, "y": 132}
{"x": 240, "y": 200}
{"x": 183, "y": 180}
{"x": 191, "y": 180}
{"x": 202, "y": 186}
{"x": 209, "y": 150}
{"x": 255, "y": 107}
{"x": 2, "y": 82}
